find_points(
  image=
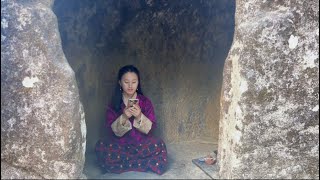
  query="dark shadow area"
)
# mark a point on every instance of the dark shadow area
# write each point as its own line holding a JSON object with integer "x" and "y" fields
{"x": 179, "y": 47}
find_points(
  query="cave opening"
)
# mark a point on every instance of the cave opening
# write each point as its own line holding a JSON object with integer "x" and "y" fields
{"x": 179, "y": 47}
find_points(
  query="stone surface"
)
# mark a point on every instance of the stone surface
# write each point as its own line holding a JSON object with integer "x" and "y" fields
{"x": 269, "y": 125}
{"x": 43, "y": 132}
{"x": 10, "y": 172}
{"x": 179, "y": 47}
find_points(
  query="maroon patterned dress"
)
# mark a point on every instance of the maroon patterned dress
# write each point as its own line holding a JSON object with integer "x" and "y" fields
{"x": 134, "y": 151}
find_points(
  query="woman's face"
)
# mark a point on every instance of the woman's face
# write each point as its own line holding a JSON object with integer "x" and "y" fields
{"x": 129, "y": 83}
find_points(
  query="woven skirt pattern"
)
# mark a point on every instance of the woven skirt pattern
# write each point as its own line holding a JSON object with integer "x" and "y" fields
{"x": 149, "y": 155}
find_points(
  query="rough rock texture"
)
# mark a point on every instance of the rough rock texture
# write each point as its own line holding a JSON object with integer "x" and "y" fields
{"x": 179, "y": 47}
{"x": 269, "y": 125}
{"x": 10, "y": 172}
{"x": 42, "y": 120}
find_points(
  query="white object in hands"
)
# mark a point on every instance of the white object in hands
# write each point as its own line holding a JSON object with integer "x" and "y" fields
{"x": 133, "y": 101}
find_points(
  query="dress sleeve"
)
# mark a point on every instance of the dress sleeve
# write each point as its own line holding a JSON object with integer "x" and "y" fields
{"x": 148, "y": 121}
{"x": 143, "y": 125}
{"x": 119, "y": 129}
{"x": 113, "y": 123}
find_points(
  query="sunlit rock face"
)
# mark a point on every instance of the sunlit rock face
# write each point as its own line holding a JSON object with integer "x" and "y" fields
{"x": 179, "y": 47}
{"x": 269, "y": 125}
{"x": 42, "y": 120}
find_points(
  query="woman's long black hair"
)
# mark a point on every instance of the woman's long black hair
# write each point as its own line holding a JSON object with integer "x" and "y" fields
{"x": 117, "y": 95}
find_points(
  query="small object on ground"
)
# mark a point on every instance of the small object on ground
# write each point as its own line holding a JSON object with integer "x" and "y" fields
{"x": 211, "y": 169}
{"x": 210, "y": 160}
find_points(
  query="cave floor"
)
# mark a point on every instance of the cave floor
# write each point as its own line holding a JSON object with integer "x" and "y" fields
{"x": 180, "y": 165}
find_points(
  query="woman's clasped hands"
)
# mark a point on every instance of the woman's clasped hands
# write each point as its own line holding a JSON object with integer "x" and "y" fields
{"x": 135, "y": 111}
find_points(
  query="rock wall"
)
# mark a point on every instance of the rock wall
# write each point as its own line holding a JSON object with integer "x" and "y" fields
{"x": 269, "y": 125}
{"x": 179, "y": 47}
{"x": 43, "y": 131}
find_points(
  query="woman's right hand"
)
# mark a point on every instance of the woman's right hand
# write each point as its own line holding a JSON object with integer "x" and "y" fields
{"x": 127, "y": 113}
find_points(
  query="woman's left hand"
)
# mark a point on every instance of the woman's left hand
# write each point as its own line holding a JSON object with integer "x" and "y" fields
{"x": 136, "y": 111}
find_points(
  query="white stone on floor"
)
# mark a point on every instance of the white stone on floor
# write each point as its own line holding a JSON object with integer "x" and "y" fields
{"x": 180, "y": 166}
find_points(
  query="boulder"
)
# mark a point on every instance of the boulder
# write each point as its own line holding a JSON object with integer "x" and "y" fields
{"x": 43, "y": 131}
{"x": 269, "y": 126}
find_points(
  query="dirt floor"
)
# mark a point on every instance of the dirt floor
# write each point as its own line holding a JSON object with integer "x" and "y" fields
{"x": 180, "y": 166}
